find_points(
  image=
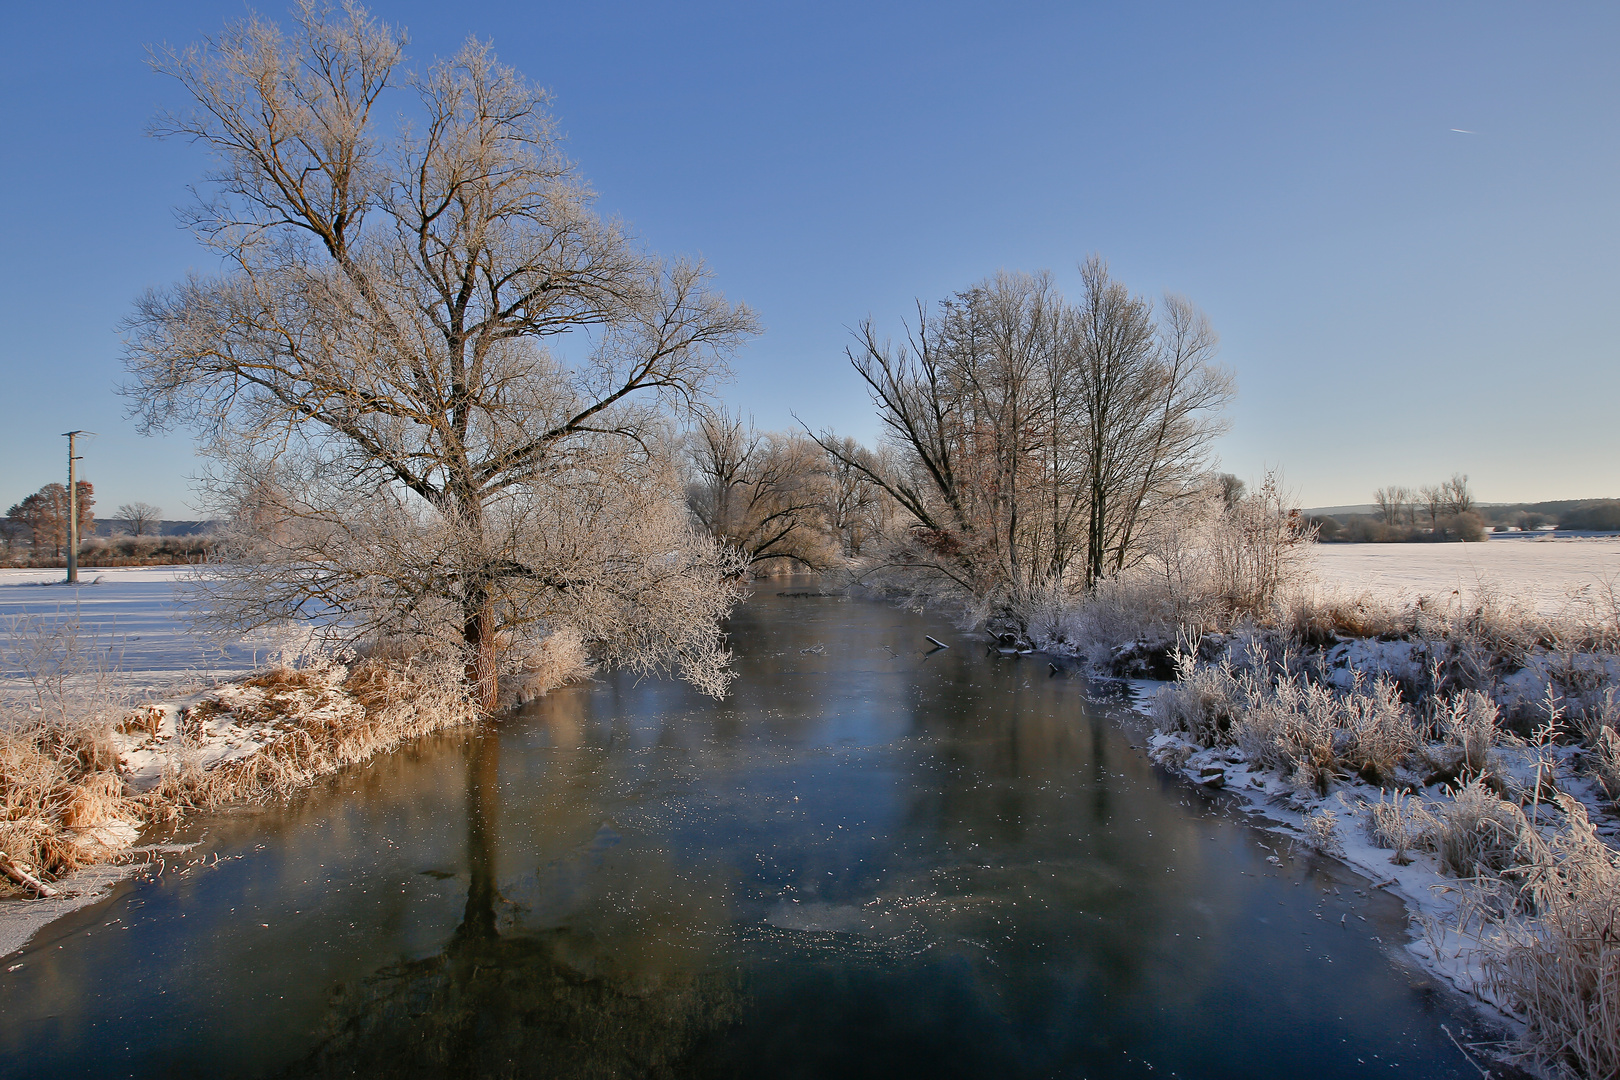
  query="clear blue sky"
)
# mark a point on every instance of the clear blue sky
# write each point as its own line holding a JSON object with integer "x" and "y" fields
{"x": 1398, "y": 300}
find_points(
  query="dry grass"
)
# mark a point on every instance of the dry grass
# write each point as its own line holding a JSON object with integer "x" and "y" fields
{"x": 1476, "y": 832}
{"x": 1558, "y": 961}
{"x": 63, "y": 802}
{"x": 320, "y": 720}
{"x": 1402, "y": 824}
{"x": 52, "y": 803}
{"x": 556, "y": 661}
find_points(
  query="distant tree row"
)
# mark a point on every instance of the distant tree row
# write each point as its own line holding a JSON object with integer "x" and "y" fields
{"x": 41, "y": 520}
{"x": 1449, "y": 511}
{"x": 1443, "y": 511}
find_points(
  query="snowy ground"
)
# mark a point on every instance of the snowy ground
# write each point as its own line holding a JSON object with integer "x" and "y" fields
{"x": 1541, "y": 573}
{"x": 135, "y": 612}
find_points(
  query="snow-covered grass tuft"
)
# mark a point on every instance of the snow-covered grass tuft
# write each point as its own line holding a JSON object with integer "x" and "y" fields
{"x": 1554, "y": 958}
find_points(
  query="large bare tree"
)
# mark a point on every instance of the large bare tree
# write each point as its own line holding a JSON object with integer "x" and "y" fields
{"x": 141, "y": 517}
{"x": 376, "y": 368}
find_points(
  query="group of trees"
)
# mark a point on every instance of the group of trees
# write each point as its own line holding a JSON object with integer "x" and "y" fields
{"x": 42, "y": 518}
{"x": 778, "y": 498}
{"x": 1443, "y": 511}
{"x": 1037, "y": 443}
{"x": 1404, "y": 506}
{"x": 444, "y": 399}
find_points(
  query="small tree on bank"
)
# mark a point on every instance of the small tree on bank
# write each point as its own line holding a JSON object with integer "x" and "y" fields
{"x": 397, "y": 447}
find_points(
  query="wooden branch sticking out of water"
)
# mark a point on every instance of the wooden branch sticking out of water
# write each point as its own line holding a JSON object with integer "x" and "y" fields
{"x": 937, "y": 643}
{"x": 15, "y": 872}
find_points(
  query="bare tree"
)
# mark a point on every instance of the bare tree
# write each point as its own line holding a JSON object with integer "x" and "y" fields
{"x": 1456, "y": 496}
{"x": 1391, "y": 504}
{"x": 372, "y": 370}
{"x": 1433, "y": 500}
{"x": 142, "y": 517}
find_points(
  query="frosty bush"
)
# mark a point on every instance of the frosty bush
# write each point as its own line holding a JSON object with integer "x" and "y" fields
{"x": 1402, "y": 824}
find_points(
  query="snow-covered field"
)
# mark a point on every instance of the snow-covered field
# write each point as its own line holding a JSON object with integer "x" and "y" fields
{"x": 1543, "y": 574}
{"x": 135, "y": 612}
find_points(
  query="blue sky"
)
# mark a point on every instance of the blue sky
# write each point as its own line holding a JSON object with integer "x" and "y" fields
{"x": 1398, "y": 300}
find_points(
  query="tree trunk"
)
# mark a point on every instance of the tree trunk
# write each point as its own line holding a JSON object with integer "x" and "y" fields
{"x": 478, "y": 631}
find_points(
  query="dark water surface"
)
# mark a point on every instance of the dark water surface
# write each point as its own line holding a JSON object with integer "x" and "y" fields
{"x": 865, "y": 862}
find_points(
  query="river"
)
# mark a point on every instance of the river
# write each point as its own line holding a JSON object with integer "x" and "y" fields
{"x": 871, "y": 859}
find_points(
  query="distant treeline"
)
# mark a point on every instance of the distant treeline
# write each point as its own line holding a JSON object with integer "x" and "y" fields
{"x": 1402, "y": 516}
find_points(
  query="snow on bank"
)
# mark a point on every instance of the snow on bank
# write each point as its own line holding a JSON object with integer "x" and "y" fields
{"x": 1541, "y": 573}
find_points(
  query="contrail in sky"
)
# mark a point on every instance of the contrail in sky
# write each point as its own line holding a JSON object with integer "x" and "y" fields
{"x": 1464, "y": 131}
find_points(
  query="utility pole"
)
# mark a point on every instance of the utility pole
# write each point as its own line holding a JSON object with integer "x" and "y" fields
{"x": 73, "y": 509}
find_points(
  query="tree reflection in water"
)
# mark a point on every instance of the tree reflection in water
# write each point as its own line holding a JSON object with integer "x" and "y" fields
{"x": 551, "y": 1003}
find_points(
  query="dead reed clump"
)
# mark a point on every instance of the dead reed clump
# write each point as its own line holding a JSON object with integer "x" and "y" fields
{"x": 557, "y": 660}
{"x": 1558, "y": 960}
{"x": 1204, "y": 702}
{"x": 1471, "y": 723}
{"x": 62, "y": 803}
{"x": 1600, "y": 727}
{"x": 1314, "y": 620}
{"x": 1383, "y": 730}
{"x": 1322, "y": 832}
{"x": 1477, "y": 832}
{"x": 1403, "y": 824}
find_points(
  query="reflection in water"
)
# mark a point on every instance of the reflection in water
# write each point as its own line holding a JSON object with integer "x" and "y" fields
{"x": 493, "y": 1005}
{"x": 867, "y": 862}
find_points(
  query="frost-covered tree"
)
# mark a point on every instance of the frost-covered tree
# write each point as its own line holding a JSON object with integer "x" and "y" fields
{"x": 399, "y": 445}
{"x": 766, "y": 494}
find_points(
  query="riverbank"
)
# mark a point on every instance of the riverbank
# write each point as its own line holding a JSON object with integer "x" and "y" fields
{"x": 80, "y": 794}
{"x": 1473, "y": 775}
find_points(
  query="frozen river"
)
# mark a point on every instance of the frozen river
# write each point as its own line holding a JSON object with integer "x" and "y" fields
{"x": 868, "y": 861}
